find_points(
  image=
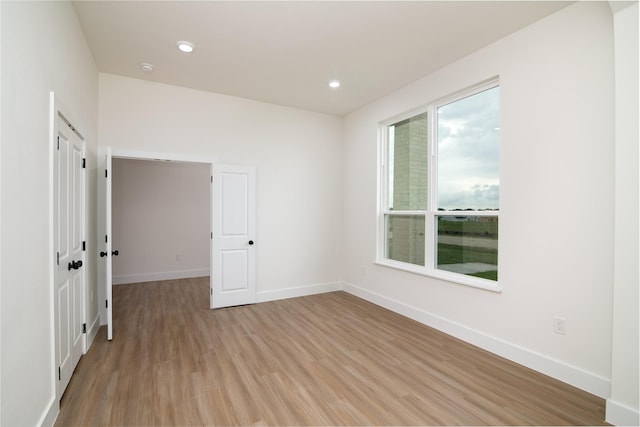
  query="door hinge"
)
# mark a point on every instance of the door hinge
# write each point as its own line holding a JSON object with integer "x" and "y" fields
{"x": 212, "y": 234}
{"x": 106, "y": 173}
{"x": 84, "y": 163}
{"x": 59, "y": 373}
{"x": 84, "y": 245}
{"x": 106, "y": 238}
{"x": 84, "y": 328}
{"x": 58, "y": 258}
{"x": 106, "y": 303}
{"x": 58, "y": 143}
{"x": 212, "y": 179}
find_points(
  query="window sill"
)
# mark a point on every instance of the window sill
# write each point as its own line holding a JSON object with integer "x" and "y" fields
{"x": 460, "y": 279}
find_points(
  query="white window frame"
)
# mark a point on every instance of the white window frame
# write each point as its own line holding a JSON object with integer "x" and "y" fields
{"x": 430, "y": 214}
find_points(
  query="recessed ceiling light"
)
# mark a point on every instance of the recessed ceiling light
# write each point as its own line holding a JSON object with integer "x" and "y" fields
{"x": 186, "y": 47}
{"x": 146, "y": 67}
{"x": 334, "y": 84}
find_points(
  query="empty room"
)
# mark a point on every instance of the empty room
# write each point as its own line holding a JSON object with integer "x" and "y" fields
{"x": 407, "y": 213}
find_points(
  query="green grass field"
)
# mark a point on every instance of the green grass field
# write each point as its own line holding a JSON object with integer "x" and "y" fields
{"x": 456, "y": 254}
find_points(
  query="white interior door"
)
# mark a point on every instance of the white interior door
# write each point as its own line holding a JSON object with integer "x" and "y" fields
{"x": 107, "y": 253}
{"x": 70, "y": 264}
{"x": 233, "y": 248}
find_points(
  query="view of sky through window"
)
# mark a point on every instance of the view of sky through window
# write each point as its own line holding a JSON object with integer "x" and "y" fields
{"x": 469, "y": 152}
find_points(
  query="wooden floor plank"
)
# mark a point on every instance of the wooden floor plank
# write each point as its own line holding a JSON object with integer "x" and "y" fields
{"x": 328, "y": 359}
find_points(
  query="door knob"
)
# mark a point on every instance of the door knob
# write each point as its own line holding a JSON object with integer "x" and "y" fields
{"x": 115, "y": 253}
{"x": 75, "y": 265}
{"x": 250, "y": 242}
{"x": 103, "y": 254}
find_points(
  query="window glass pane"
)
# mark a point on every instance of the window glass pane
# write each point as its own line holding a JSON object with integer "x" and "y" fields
{"x": 468, "y": 245}
{"x": 407, "y": 164}
{"x": 405, "y": 238}
{"x": 469, "y": 152}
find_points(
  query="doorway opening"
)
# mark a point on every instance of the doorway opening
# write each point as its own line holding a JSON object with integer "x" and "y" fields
{"x": 160, "y": 220}
{"x": 160, "y": 228}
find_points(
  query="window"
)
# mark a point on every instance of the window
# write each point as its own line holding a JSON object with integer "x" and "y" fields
{"x": 441, "y": 189}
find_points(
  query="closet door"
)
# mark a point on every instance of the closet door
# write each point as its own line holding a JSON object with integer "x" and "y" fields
{"x": 70, "y": 246}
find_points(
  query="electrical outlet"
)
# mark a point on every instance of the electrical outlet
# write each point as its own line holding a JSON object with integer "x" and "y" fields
{"x": 560, "y": 325}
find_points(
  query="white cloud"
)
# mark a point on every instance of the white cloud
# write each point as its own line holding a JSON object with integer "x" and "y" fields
{"x": 469, "y": 152}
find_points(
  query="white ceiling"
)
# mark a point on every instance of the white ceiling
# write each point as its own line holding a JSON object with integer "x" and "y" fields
{"x": 286, "y": 52}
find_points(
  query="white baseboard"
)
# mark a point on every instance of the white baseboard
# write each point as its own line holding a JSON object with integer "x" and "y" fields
{"x": 92, "y": 331}
{"x": 49, "y": 417}
{"x": 298, "y": 291}
{"x": 572, "y": 375}
{"x": 621, "y": 415}
{"x": 165, "y": 275}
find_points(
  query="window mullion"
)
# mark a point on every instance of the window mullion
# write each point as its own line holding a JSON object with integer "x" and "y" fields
{"x": 432, "y": 188}
{"x": 383, "y": 204}
{"x": 397, "y": 213}
{"x": 429, "y": 241}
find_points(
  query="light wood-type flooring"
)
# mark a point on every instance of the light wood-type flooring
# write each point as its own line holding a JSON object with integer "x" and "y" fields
{"x": 329, "y": 359}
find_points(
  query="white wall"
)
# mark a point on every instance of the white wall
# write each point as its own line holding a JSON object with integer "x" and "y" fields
{"x": 556, "y": 217}
{"x": 297, "y": 155}
{"x": 622, "y": 405}
{"x": 43, "y": 49}
{"x": 160, "y": 217}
